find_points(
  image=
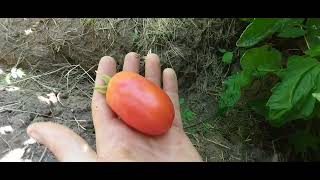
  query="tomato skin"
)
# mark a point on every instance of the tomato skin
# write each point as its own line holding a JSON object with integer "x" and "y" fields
{"x": 140, "y": 103}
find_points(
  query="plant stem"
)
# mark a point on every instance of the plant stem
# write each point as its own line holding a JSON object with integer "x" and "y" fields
{"x": 103, "y": 88}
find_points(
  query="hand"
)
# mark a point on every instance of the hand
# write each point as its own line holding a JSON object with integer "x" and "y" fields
{"x": 115, "y": 141}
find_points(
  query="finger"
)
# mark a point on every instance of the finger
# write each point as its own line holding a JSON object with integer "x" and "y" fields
{"x": 102, "y": 115}
{"x": 152, "y": 68}
{"x": 131, "y": 62}
{"x": 107, "y": 66}
{"x": 170, "y": 86}
{"x": 62, "y": 142}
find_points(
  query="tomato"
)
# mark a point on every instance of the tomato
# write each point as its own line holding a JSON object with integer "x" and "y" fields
{"x": 140, "y": 103}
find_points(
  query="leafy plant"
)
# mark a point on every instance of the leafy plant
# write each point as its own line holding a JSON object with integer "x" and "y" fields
{"x": 186, "y": 113}
{"x": 227, "y": 56}
{"x": 293, "y": 93}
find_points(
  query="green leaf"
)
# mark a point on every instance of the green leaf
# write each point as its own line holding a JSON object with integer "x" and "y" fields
{"x": 256, "y": 61}
{"x": 290, "y": 22}
{"x": 291, "y": 32}
{"x": 259, "y": 61}
{"x": 187, "y": 114}
{"x": 314, "y": 51}
{"x": 316, "y": 95}
{"x": 232, "y": 92}
{"x": 291, "y": 28}
{"x": 258, "y": 30}
{"x": 181, "y": 101}
{"x": 292, "y": 98}
{"x": 135, "y": 35}
{"x": 227, "y": 57}
{"x": 313, "y": 32}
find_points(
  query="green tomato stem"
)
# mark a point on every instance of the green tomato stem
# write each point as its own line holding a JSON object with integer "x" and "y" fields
{"x": 103, "y": 88}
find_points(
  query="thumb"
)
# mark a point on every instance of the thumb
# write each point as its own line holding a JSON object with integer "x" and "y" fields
{"x": 62, "y": 142}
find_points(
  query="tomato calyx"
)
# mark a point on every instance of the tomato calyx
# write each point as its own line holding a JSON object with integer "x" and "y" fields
{"x": 103, "y": 88}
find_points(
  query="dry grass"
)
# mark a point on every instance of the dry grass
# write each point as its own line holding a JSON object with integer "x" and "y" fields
{"x": 68, "y": 51}
{"x": 187, "y": 45}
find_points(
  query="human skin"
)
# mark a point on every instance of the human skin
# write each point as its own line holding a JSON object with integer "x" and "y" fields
{"x": 115, "y": 141}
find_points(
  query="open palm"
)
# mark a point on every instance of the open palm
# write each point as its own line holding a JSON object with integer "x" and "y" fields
{"x": 115, "y": 141}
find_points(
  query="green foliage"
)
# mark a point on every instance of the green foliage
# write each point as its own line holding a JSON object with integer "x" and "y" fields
{"x": 258, "y": 30}
{"x": 316, "y": 95}
{"x": 259, "y": 61}
{"x": 313, "y": 52}
{"x": 294, "y": 94}
{"x": 291, "y": 28}
{"x": 181, "y": 101}
{"x": 313, "y": 32}
{"x": 292, "y": 98}
{"x": 232, "y": 94}
{"x": 227, "y": 57}
{"x": 186, "y": 113}
{"x": 291, "y": 32}
{"x": 251, "y": 68}
{"x": 261, "y": 28}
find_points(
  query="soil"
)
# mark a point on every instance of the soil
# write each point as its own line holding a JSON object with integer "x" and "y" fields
{"x": 58, "y": 88}
{"x": 32, "y": 104}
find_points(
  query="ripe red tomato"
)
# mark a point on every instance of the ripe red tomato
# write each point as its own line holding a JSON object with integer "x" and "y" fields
{"x": 140, "y": 103}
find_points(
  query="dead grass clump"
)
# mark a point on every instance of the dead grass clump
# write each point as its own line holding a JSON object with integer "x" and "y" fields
{"x": 187, "y": 45}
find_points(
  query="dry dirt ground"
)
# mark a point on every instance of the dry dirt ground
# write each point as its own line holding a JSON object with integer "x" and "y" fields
{"x": 47, "y": 71}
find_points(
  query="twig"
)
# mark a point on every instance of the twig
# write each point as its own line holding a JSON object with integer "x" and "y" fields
{"x": 193, "y": 137}
{"x": 79, "y": 77}
{"x": 45, "y": 86}
{"x": 10, "y": 104}
{"x": 5, "y": 142}
{"x": 88, "y": 73}
{"x": 4, "y": 27}
{"x": 217, "y": 143}
{"x": 84, "y": 92}
{"x": 79, "y": 125}
{"x": 14, "y": 137}
{"x": 40, "y": 75}
{"x": 68, "y": 75}
{"x": 13, "y": 49}
{"x": 236, "y": 158}
{"x": 32, "y": 155}
{"x": 197, "y": 123}
{"x": 30, "y": 112}
{"x": 222, "y": 156}
{"x": 55, "y": 22}
{"x": 58, "y": 98}
{"x": 38, "y": 114}
{"x": 45, "y": 150}
{"x": 82, "y": 120}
